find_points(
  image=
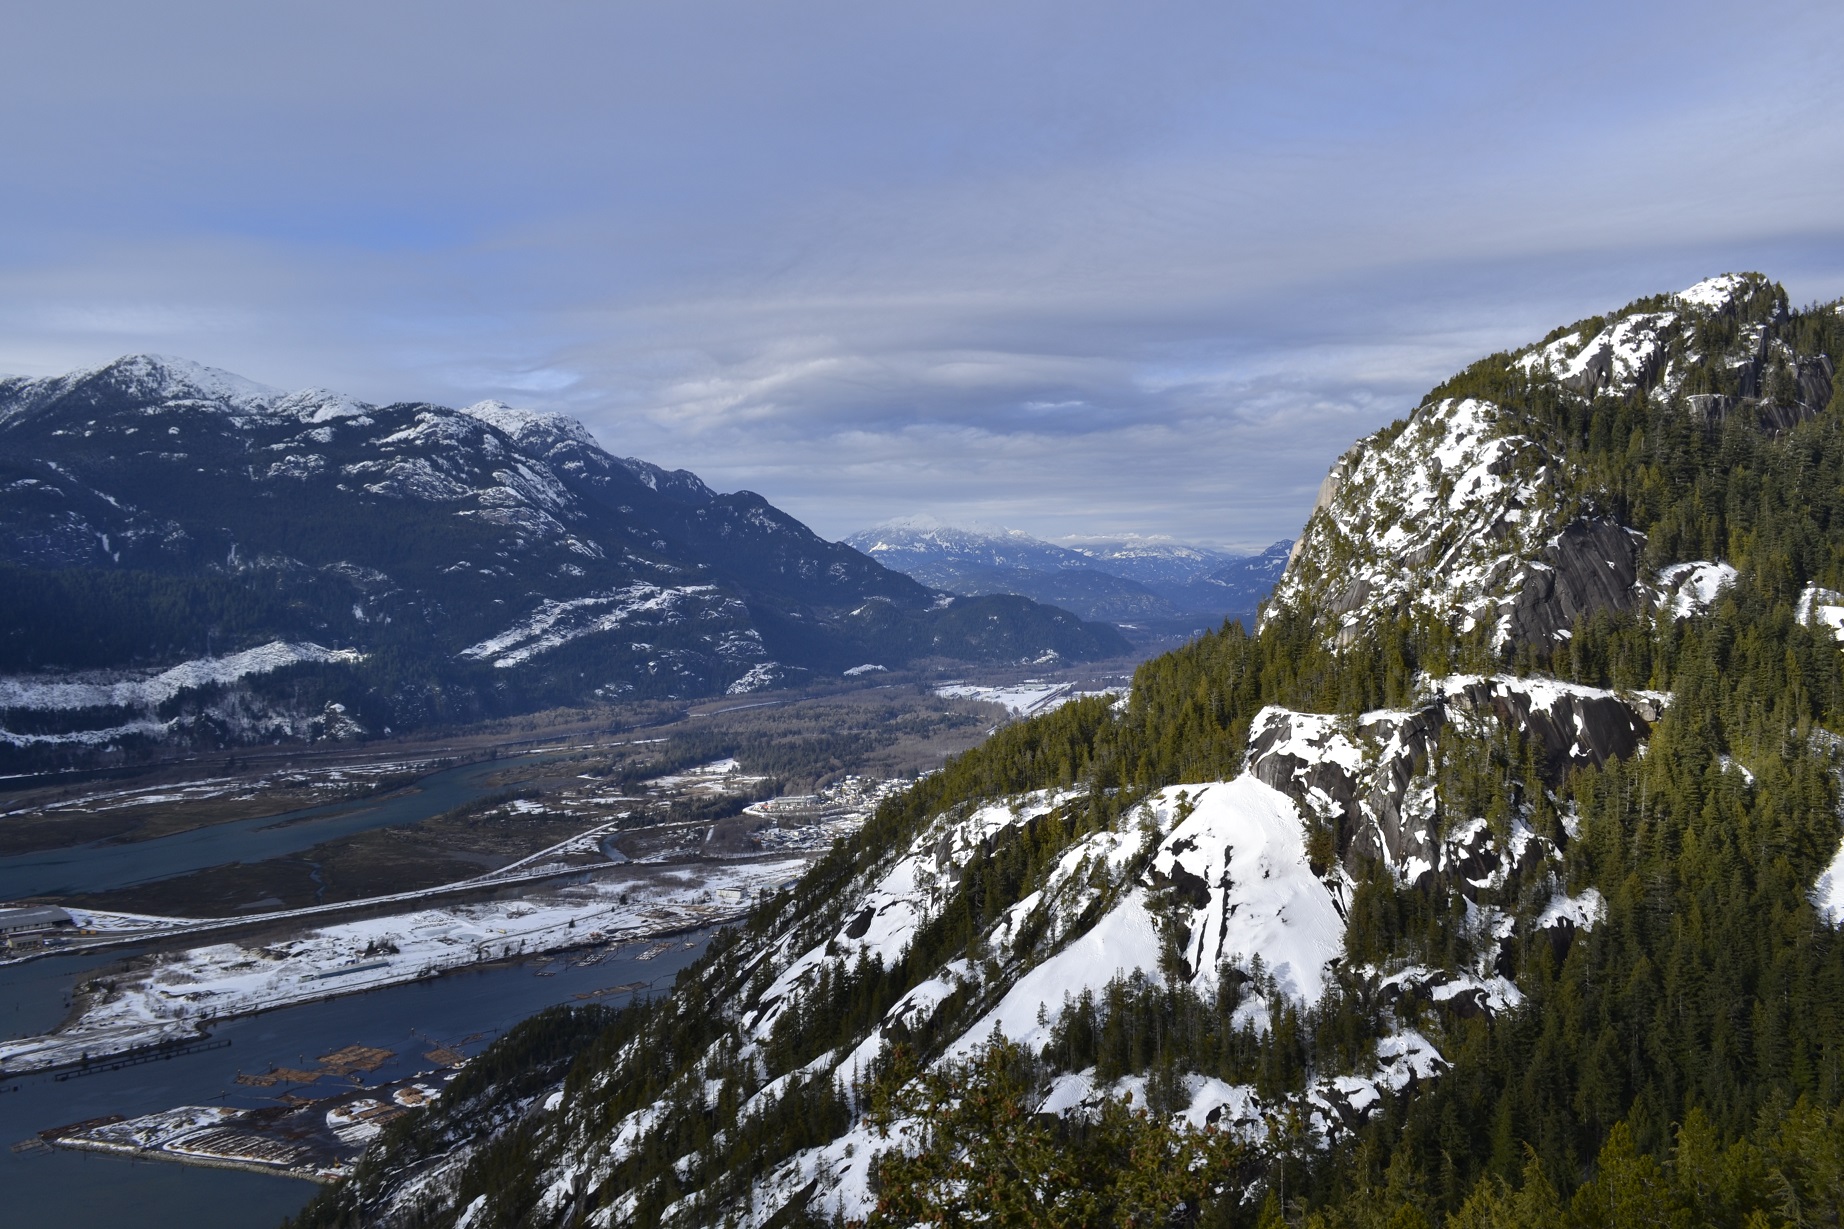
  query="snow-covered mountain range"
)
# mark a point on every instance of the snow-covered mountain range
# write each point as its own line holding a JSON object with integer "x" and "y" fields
{"x": 426, "y": 564}
{"x": 1128, "y": 580}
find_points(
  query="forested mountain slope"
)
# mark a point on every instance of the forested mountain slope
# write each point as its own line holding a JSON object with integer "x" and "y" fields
{"x": 1493, "y": 881}
{"x": 188, "y": 556}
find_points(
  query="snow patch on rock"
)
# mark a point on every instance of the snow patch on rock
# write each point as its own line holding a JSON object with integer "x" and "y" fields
{"x": 1713, "y": 293}
{"x": 1687, "y": 589}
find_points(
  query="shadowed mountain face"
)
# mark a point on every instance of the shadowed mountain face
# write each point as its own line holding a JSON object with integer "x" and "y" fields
{"x": 1133, "y": 581}
{"x": 404, "y": 564}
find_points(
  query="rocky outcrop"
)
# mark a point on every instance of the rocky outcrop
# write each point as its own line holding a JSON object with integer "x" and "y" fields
{"x": 1355, "y": 777}
{"x": 1328, "y": 489}
{"x": 1776, "y": 405}
{"x": 1814, "y": 382}
{"x": 1571, "y": 726}
{"x": 1434, "y": 518}
{"x": 1592, "y": 565}
{"x": 1478, "y": 514}
{"x": 1368, "y": 778}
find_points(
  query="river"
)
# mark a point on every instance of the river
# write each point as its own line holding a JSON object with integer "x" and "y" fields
{"x": 103, "y": 865}
{"x": 75, "y": 1190}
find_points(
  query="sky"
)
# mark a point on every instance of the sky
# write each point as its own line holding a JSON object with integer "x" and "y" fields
{"x": 1078, "y": 269}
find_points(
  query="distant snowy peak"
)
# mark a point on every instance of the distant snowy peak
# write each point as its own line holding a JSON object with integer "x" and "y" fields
{"x": 318, "y": 405}
{"x": 158, "y": 376}
{"x": 911, "y": 541}
{"x": 533, "y": 430}
{"x": 149, "y": 378}
{"x": 1130, "y": 580}
{"x": 937, "y": 553}
{"x": 162, "y": 380}
{"x": 1161, "y": 550}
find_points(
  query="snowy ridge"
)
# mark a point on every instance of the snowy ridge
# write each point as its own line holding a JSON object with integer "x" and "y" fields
{"x": 39, "y": 694}
{"x": 1230, "y": 858}
{"x": 1237, "y": 859}
{"x": 1193, "y": 882}
{"x": 555, "y": 624}
{"x": 173, "y": 379}
{"x": 530, "y": 427}
{"x": 1634, "y": 349}
{"x": 1616, "y": 360}
{"x": 319, "y": 406}
{"x": 886, "y": 917}
{"x": 1713, "y": 293}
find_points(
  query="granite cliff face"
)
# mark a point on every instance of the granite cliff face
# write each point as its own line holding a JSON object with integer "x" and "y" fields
{"x": 1464, "y": 514}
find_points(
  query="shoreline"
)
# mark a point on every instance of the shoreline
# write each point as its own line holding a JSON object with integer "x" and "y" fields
{"x": 206, "y": 1161}
{"x": 54, "y": 1052}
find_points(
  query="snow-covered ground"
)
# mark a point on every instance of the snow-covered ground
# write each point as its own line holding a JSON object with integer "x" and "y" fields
{"x": 1690, "y": 588}
{"x": 717, "y": 777}
{"x": 141, "y": 693}
{"x": 1026, "y": 699}
{"x": 556, "y": 623}
{"x": 1822, "y": 608}
{"x": 170, "y": 1000}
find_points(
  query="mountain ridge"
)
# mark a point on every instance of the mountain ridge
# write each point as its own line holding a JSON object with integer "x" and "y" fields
{"x": 177, "y": 512}
{"x": 1127, "y": 581}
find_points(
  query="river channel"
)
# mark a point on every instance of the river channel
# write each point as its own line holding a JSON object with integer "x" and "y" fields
{"x": 103, "y": 865}
{"x": 76, "y": 1190}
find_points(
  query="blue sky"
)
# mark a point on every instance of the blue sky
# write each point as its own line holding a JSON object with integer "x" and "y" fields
{"x": 1074, "y": 268}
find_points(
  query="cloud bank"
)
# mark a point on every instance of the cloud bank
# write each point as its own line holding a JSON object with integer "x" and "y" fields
{"x": 1074, "y": 268}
